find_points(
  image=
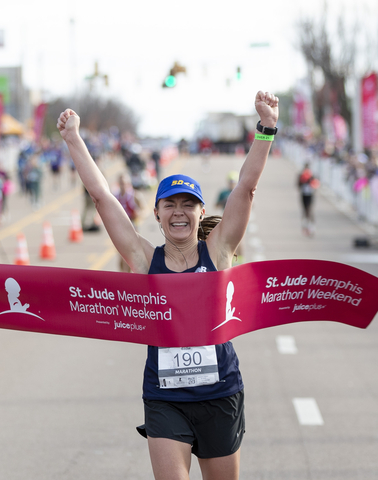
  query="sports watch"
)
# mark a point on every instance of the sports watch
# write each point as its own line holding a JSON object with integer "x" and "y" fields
{"x": 266, "y": 130}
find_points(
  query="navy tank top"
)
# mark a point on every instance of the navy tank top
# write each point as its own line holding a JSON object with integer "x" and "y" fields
{"x": 230, "y": 380}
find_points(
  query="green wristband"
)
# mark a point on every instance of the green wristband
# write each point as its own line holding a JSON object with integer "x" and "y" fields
{"x": 267, "y": 138}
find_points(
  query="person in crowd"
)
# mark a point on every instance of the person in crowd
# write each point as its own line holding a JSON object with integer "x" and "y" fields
{"x": 33, "y": 175}
{"x": 55, "y": 158}
{"x": 307, "y": 185}
{"x": 206, "y": 150}
{"x": 205, "y": 419}
{"x": 22, "y": 163}
{"x": 232, "y": 180}
{"x": 133, "y": 204}
{"x": 6, "y": 187}
{"x": 155, "y": 156}
{"x": 183, "y": 147}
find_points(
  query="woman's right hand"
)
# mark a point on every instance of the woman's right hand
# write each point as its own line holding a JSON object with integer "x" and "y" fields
{"x": 68, "y": 123}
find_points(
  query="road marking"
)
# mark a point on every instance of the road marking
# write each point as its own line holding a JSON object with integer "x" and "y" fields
{"x": 307, "y": 411}
{"x": 361, "y": 258}
{"x": 103, "y": 259}
{"x": 286, "y": 344}
{"x": 39, "y": 214}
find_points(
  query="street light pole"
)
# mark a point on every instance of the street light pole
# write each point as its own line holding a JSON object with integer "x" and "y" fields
{"x": 356, "y": 116}
{"x": 73, "y": 55}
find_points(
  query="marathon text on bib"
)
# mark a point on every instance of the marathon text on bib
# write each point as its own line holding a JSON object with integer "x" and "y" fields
{"x": 187, "y": 367}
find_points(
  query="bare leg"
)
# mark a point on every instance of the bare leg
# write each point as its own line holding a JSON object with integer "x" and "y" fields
{"x": 221, "y": 468}
{"x": 170, "y": 459}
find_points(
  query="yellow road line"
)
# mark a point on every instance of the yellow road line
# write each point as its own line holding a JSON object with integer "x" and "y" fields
{"x": 18, "y": 226}
{"x": 38, "y": 215}
{"x": 104, "y": 259}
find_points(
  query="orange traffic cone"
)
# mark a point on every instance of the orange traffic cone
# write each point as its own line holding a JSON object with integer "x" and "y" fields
{"x": 76, "y": 231}
{"x": 48, "y": 246}
{"x": 22, "y": 254}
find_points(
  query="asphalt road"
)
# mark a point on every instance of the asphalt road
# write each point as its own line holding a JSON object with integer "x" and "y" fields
{"x": 69, "y": 406}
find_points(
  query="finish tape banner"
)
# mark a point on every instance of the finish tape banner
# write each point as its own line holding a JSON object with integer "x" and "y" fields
{"x": 181, "y": 310}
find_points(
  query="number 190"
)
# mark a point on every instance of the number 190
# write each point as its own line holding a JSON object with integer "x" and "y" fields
{"x": 187, "y": 359}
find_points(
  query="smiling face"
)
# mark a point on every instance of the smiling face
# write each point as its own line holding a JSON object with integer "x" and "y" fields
{"x": 180, "y": 215}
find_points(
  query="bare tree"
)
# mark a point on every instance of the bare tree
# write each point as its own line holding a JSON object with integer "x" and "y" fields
{"x": 334, "y": 55}
{"x": 96, "y": 113}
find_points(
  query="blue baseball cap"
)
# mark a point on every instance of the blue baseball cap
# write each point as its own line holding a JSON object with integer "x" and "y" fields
{"x": 178, "y": 184}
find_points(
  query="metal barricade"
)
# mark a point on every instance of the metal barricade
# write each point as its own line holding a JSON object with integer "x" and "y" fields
{"x": 333, "y": 176}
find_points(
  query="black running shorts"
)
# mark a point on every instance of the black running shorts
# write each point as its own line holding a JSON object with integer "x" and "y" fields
{"x": 214, "y": 428}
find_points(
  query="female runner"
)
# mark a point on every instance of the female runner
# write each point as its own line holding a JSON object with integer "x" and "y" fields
{"x": 206, "y": 418}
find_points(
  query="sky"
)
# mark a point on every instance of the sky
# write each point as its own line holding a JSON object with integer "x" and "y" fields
{"x": 136, "y": 43}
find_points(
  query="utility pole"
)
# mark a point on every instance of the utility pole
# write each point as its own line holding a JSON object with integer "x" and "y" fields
{"x": 356, "y": 116}
{"x": 97, "y": 75}
{"x": 73, "y": 49}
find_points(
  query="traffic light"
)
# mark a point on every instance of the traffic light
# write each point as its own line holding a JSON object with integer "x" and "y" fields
{"x": 96, "y": 74}
{"x": 170, "y": 80}
{"x": 238, "y": 73}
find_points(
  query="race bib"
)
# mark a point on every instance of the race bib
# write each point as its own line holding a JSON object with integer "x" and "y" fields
{"x": 187, "y": 367}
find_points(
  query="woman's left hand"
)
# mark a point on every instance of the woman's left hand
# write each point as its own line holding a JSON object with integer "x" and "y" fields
{"x": 266, "y": 105}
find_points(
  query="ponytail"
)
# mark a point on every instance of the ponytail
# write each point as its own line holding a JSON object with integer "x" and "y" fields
{"x": 207, "y": 225}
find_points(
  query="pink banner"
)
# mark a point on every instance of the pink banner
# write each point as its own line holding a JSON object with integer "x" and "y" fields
{"x": 340, "y": 127}
{"x": 184, "y": 309}
{"x": 39, "y": 118}
{"x": 299, "y": 114}
{"x": 1, "y": 110}
{"x": 369, "y": 110}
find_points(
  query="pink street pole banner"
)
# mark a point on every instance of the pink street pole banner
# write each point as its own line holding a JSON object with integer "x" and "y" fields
{"x": 369, "y": 110}
{"x": 181, "y": 310}
{"x": 39, "y": 119}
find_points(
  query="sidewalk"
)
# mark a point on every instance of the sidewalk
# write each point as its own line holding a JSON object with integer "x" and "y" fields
{"x": 361, "y": 205}
{"x": 278, "y": 219}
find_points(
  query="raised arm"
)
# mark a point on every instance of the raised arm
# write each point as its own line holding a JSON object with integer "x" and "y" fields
{"x": 134, "y": 248}
{"x": 224, "y": 239}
